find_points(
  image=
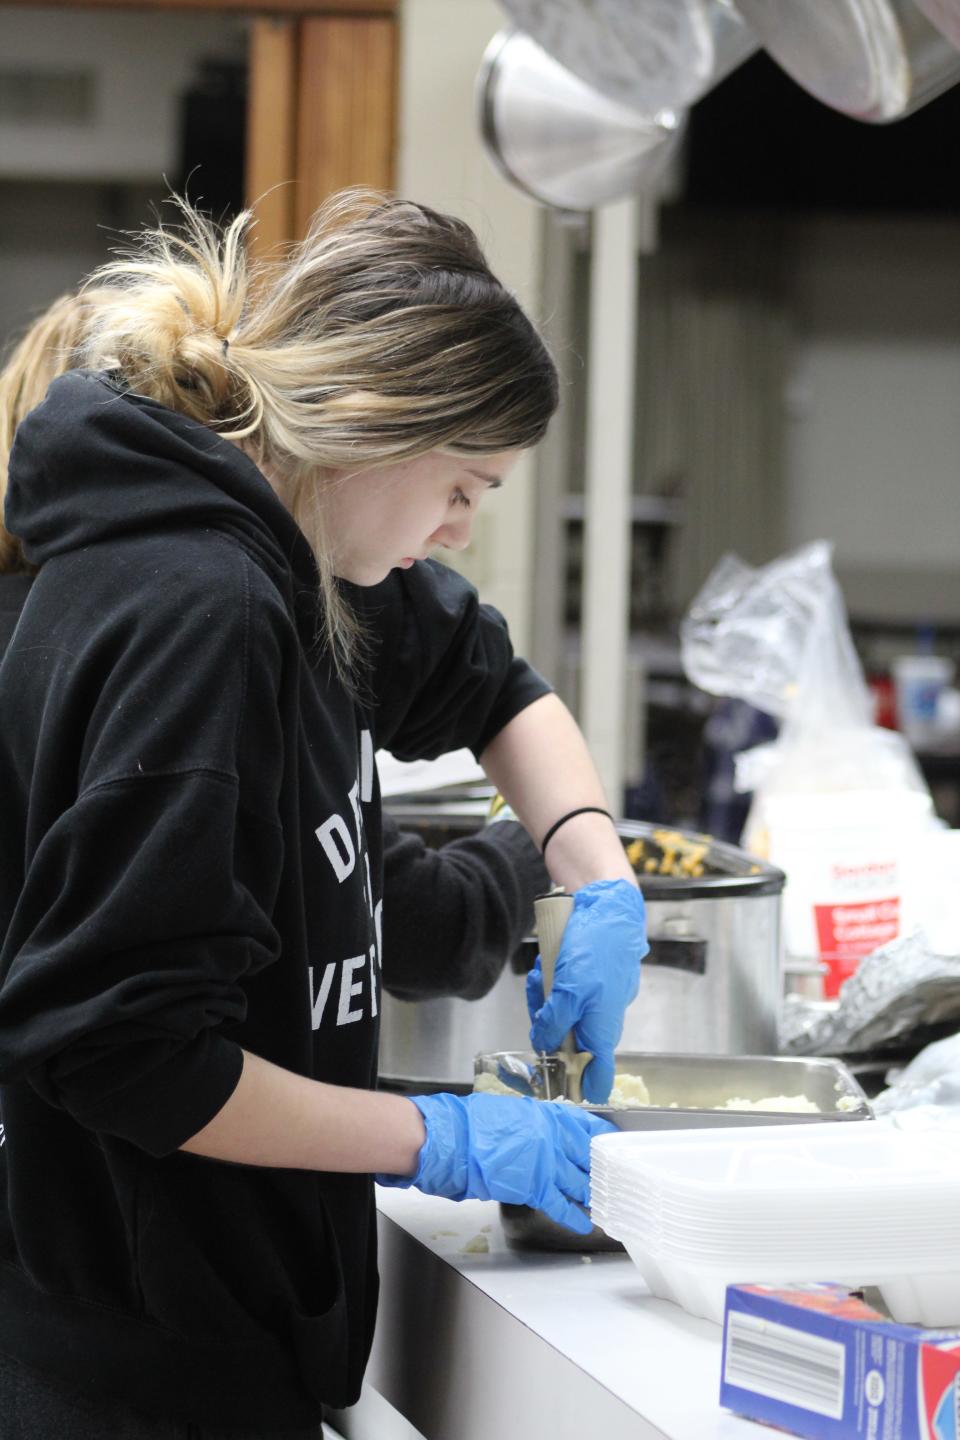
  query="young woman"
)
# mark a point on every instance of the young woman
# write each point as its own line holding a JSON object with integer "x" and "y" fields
{"x": 231, "y": 510}
{"x": 478, "y": 890}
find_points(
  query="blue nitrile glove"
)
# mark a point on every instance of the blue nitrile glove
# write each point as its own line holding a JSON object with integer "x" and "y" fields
{"x": 507, "y": 1148}
{"x": 597, "y": 975}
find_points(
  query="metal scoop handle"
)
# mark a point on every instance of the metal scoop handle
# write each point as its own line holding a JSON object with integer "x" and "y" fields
{"x": 552, "y": 913}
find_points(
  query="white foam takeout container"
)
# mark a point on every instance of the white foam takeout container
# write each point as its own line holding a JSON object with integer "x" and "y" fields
{"x": 872, "y": 1205}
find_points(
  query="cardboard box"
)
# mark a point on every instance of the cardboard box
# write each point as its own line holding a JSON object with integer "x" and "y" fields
{"x": 817, "y": 1361}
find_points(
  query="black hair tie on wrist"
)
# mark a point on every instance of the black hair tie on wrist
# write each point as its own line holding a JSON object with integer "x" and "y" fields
{"x": 583, "y": 810}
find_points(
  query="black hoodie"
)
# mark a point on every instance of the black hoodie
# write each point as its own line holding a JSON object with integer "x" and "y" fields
{"x": 190, "y": 859}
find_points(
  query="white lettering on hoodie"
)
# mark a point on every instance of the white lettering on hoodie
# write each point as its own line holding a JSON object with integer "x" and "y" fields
{"x": 337, "y": 846}
{"x": 345, "y": 1012}
{"x": 342, "y": 850}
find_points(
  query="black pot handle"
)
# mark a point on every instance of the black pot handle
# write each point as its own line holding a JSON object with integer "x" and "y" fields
{"x": 679, "y": 952}
{"x": 673, "y": 952}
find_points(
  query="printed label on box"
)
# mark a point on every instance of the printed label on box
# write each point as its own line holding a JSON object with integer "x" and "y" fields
{"x": 848, "y": 931}
{"x": 856, "y": 930}
{"x": 818, "y": 1362}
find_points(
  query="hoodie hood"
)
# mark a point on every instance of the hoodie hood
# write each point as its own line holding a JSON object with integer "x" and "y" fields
{"x": 95, "y": 462}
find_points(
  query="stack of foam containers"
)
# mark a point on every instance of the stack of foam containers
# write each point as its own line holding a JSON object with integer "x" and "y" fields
{"x": 698, "y": 1210}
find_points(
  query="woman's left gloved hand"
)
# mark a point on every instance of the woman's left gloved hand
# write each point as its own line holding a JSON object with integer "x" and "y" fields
{"x": 597, "y": 975}
{"x": 510, "y": 1148}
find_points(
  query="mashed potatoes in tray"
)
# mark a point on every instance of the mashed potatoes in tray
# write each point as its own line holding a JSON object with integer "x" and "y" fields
{"x": 630, "y": 1093}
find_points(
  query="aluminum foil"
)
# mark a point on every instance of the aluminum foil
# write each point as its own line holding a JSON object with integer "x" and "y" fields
{"x": 900, "y": 991}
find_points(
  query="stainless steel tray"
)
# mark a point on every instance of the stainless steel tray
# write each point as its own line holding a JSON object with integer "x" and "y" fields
{"x": 684, "y": 1089}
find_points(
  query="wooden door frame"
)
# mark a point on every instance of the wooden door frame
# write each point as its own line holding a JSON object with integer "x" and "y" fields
{"x": 252, "y": 7}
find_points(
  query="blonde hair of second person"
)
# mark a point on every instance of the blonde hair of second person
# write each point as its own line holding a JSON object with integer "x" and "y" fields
{"x": 183, "y": 325}
{"x": 49, "y": 347}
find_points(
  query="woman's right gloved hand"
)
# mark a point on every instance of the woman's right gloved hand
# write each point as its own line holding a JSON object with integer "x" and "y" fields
{"x": 507, "y": 1148}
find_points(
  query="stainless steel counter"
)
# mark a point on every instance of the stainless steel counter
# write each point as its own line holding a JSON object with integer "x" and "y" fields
{"x": 503, "y": 1345}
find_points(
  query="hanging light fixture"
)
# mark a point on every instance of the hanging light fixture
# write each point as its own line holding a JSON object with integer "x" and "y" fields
{"x": 647, "y": 54}
{"x": 560, "y": 140}
{"x": 945, "y": 15}
{"x": 875, "y": 60}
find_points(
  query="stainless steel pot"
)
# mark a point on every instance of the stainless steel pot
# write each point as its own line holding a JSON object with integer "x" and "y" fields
{"x": 710, "y": 985}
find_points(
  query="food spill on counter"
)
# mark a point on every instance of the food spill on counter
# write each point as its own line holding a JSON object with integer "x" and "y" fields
{"x": 479, "y": 1245}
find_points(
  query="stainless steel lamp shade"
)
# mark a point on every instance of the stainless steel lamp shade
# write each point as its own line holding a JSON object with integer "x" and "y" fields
{"x": 647, "y": 54}
{"x": 557, "y": 138}
{"x": 872, "y": 59}
{"x": 945, "y": 15}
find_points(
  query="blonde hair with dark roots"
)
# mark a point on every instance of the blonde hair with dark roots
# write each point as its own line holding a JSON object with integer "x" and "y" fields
{"x": 382, "y": 336}
{"x": 46, "y": 350}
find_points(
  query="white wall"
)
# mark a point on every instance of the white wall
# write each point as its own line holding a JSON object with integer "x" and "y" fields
{"x": 138, "y": 63}
{"x": 441, "y": 162}
{"x": 873, "y": 403}
{"x": 67, "y": 192}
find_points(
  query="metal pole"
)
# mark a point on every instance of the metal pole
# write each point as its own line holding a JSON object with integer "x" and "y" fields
{"x": 608, "y": 488}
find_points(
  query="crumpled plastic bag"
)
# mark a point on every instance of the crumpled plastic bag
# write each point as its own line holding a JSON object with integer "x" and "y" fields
{"x": 900, "y": 990}
{"x": 778, "y": 638}
{"x": 932, "y": 1078}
